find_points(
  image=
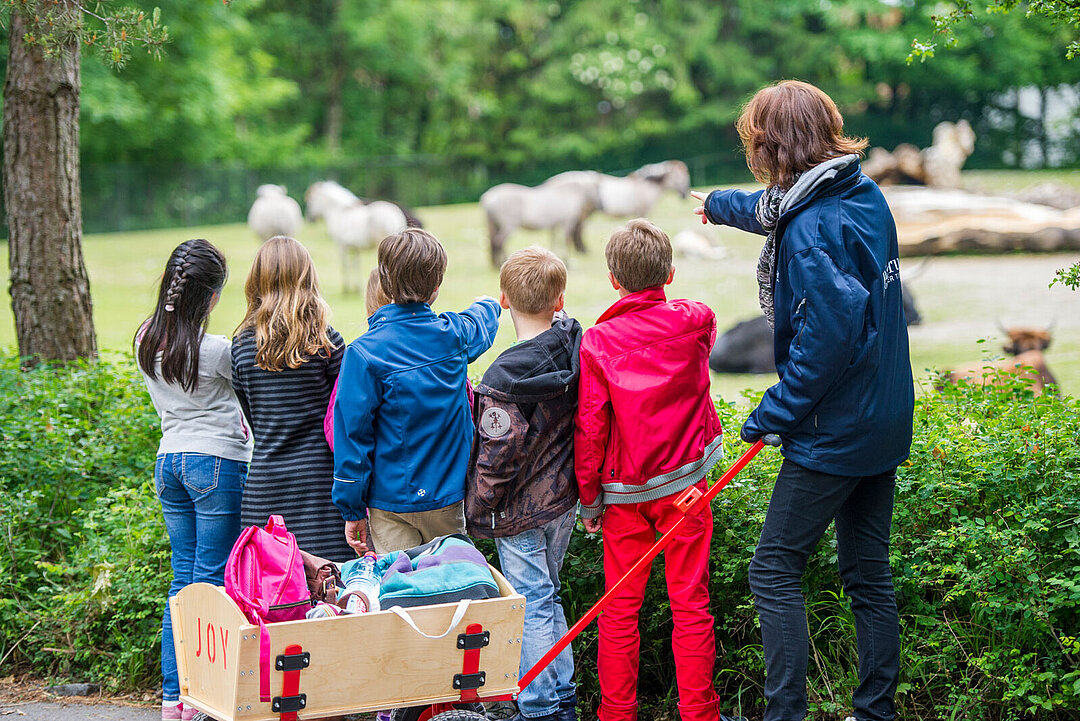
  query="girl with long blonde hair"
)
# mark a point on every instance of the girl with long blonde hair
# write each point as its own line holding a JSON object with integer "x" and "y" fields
{"x": 285, "y": 359}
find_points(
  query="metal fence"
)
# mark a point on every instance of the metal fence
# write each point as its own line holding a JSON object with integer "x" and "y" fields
{"x": 120, "y": 197}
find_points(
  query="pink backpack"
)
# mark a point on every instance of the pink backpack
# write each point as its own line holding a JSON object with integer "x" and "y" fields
{"x": 265, "y": 577}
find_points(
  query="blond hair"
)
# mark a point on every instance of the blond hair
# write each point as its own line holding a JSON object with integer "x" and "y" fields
{"x": 639, "y": 255}
{"x": 284, "y": 307}
{"x": 411, "y": 265}
{"x": 788, "y": 128}
{"x": 374, "y": 297}
{"x": 533, "y": 279}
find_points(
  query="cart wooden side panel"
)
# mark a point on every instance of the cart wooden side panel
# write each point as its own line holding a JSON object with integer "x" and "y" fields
{"x": 359, "y": 663}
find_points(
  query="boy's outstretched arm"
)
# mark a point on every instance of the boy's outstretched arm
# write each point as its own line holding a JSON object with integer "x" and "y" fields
{"x": 354, "y": 442}
{"x": 480, "y": 324}
{"x": 592, "y": 427}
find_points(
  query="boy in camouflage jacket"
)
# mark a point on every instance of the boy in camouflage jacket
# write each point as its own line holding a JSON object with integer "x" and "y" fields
{"x": 521, "y": 489}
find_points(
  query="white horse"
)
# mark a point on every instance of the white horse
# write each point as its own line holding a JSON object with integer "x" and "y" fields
{"x": 635, "y": 195}
{"x": 357, "y": 227}
{"x": 563, "y": 206}
{"x": 566, "y": 200}
{"x": 325, "y": 195}
{"x": 274, "y": 213}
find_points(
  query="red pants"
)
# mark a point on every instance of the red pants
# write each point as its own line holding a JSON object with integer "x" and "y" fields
{"x": 629, "y": 531}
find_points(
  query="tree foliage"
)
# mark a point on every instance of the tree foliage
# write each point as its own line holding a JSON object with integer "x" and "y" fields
{"x": 115, "y": 31}
{"x": 1060, "y": 12}
{"x": 518, "y": 85}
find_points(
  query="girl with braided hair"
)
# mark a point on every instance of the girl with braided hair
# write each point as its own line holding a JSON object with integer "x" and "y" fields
{"x": 286, "y": 358}
{"x": 205, "y": 445}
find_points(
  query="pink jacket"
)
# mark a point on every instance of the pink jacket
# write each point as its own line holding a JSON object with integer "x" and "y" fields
{"x": 646, "y": 425}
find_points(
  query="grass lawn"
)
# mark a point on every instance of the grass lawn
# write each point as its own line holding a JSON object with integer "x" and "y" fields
{"x": 960, "y": 297}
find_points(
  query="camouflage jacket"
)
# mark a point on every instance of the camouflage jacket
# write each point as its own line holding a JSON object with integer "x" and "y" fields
{"x": 522, "y": 470}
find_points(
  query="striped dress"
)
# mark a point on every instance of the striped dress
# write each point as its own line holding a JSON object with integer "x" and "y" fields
{"x": 292, "y": 468}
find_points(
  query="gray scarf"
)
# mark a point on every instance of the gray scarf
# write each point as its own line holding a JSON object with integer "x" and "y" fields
{"x": 773, "y": 203}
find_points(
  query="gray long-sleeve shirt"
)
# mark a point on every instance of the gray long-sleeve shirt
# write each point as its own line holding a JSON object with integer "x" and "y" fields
{"x": 207, "y": 419}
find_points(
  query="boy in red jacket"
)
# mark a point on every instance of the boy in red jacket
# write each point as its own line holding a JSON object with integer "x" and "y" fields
{"x": 646, "y": 429}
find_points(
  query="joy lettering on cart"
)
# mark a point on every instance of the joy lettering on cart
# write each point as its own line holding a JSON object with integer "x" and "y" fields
{"x": 207, "y": 643}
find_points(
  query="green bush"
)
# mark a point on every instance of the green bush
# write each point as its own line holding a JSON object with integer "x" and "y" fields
{"x": 83, "y": 552}
{"x": 986, "y": 554}
{"x": 985, "y": 557}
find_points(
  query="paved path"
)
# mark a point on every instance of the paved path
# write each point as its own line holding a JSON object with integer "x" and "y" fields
{"x": 76, "y": 712}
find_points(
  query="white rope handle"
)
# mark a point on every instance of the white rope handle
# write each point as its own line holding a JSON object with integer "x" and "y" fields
{"x": 459, "y": 613}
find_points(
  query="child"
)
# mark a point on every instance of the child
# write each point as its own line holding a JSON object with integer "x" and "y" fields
{"x": 203, "y": 455}
{"x": 402, "y": 424}
{"x": 522, "y": 491}
{"x": 285, "y": 362}
{"x": 646, "y": 430}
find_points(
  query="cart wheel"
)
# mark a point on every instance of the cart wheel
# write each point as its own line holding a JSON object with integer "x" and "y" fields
{"x": 474, "y": 711}
{"x": 459, "y": 714}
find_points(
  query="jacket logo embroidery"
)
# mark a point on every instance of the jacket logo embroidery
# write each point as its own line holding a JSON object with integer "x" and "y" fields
{"x": 495, "y": 422}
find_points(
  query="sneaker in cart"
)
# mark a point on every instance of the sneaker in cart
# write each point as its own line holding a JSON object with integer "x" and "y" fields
{"x": 500, "y": 710}
{"x": 191, "y": 714}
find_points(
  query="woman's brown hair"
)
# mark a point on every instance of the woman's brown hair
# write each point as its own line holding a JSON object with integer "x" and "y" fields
{"x": 289, "y": 316}
{"x": 788, "y": 128}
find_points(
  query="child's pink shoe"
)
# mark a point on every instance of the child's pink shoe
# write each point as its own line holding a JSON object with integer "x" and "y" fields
{"x": 172, "y": 711}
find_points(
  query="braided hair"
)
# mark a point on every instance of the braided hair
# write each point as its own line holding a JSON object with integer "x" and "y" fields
{"x": 194, "y": 273}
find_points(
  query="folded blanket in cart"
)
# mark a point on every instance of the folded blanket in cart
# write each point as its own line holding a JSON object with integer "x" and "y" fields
{"x": 445, "y": 570}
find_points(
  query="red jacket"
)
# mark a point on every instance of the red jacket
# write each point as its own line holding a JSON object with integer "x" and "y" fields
{"x": 646, "y": 425}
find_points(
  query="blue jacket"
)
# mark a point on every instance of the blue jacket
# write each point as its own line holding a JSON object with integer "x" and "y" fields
{"x": 845, "y": 398}
{"x": 402, "y": 424}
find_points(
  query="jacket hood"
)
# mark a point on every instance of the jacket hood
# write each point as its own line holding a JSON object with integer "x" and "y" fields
{"x": 538, "y": 368}
{"x": 832, "y": 176}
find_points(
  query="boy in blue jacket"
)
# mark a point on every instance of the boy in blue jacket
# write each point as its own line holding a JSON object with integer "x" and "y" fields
{"x": 402, "y": 424}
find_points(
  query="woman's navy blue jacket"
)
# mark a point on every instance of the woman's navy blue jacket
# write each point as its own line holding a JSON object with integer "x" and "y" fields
{"x": 845, "y": 398}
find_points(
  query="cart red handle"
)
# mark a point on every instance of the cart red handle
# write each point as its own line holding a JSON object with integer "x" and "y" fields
{"x": 687, "y": 502}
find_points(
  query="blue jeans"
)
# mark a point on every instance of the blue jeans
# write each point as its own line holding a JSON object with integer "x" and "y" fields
{"x": 200, "y": 500}
{"x": 803, "y": 504}
{"x": 531, "y": 562}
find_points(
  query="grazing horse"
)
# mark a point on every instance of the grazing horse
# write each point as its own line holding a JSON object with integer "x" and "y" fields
{"x": 635, "y": 195}
{"x": 566, "y": 200}
{"x": 563, "y": 206}
{"x": 360, "y": 226}
{"x": 274, "y": 213}
{"x": 325, "y": 195}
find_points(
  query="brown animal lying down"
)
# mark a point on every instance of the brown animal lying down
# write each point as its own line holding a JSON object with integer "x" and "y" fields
{"x": 1028, "y": 362}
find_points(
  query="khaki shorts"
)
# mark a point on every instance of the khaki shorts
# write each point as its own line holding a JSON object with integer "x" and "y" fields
{"x": 398, "y": 531}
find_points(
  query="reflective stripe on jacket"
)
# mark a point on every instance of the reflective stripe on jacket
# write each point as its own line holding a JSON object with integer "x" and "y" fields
{"x": 646, "y": 425}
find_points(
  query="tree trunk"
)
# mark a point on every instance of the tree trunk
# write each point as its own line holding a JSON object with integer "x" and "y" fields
{"x": 50, "y": 291}
{"x": 335, "y": 95}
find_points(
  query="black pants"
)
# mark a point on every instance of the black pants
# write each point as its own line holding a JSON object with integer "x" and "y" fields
{"x": 803, "y": 504}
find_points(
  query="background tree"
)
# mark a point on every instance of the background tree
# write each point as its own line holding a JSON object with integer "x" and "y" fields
{"x": 1060, "y": 12}
{"x": 50, "y": 291}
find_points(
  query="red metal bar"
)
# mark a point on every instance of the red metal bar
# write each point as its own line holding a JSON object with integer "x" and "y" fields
{"x": 643, "y": 563}
{"x": 290, "y": 681}
{"x": 470, "y": 662}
